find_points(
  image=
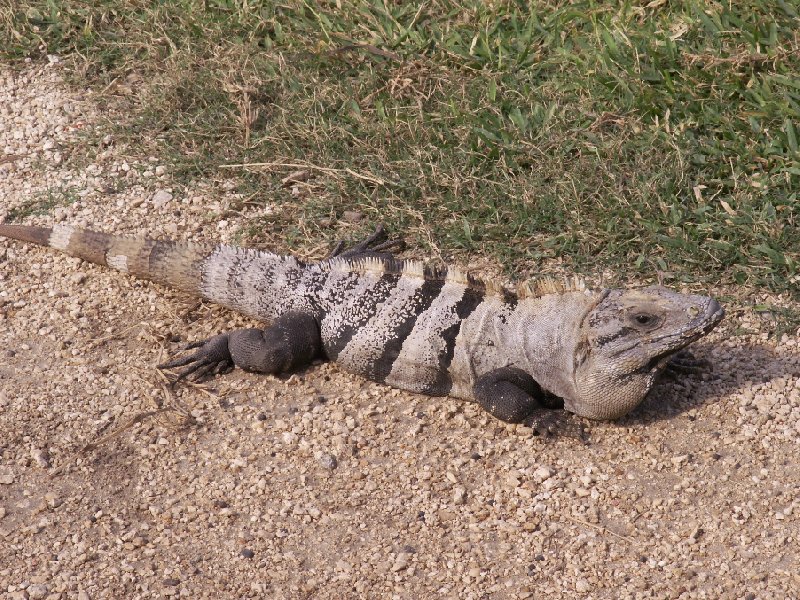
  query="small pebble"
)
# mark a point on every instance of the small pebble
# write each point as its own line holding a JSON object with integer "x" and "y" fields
{"x": 543, "y": 473}
{"x": 328, "y": 461}
{"x": 160, "y": 198}
{"x": 37, "y": 591}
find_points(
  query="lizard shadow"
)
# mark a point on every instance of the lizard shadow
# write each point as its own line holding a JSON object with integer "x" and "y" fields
{"x": 735, "y": 368}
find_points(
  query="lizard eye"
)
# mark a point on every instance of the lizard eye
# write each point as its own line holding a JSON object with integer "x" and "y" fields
{"x": 645, "y": 320}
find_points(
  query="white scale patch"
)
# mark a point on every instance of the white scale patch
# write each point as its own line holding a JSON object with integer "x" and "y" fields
{"x": 118, "y": 262}
{"x": 237, "y": 278}
{"x": 370, "y": 341}
{"x": 419, "y": 358}
{"x": 480, "y": 347}
{"x": 60, "y": 236}
{"x": 533, "y": 338}
{"x": 343, "y": 310}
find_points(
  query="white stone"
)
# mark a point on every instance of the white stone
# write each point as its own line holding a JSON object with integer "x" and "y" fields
{"x": 543, "y": 473}
{"x": 160, "y": 198}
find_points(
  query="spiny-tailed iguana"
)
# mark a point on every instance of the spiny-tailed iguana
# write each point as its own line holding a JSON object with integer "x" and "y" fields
{"x": 595, "y": 353}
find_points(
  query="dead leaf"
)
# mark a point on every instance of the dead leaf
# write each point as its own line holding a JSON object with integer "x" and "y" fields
{"x": 727, "y": 208}
{"x": 296, "y": 177}
{"x": 698, "y": 192}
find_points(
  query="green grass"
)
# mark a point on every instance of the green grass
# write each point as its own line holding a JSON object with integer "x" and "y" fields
{"x": 660, "y": 137}
{"x": 43, "y": 203}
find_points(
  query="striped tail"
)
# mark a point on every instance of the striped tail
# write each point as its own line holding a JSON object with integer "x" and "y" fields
{"x": 176, "y": 265}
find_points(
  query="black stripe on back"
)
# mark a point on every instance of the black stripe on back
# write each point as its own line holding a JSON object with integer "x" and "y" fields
{"x": 367, "y": 307}
{"x": 464, "y": 308}
{"x": 420, "y": 302}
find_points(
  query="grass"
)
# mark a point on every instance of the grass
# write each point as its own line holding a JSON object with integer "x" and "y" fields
{"x": 43, "y": 203}
{"x": 660, "y": 138}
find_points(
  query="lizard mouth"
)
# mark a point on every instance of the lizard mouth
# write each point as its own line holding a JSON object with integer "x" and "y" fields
{"x": 700, "y": 325}
{"x": 715, "y": 314}
{"x": 696, "y": 329}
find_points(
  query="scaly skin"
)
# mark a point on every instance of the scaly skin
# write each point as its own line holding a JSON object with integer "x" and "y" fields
{"x": 520, "y": 354}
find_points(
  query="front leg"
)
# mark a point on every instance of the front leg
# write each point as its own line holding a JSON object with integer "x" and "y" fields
{"x": 292, "y": 341}
{"x": 513, "y": 396}
{"x": 685, "y": 362}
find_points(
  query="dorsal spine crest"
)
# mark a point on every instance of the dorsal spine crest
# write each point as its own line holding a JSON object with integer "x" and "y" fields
{"x": 544, "y": 286}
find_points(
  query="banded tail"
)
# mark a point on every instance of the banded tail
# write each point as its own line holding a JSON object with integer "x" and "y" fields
{"x": 177, "y": 265}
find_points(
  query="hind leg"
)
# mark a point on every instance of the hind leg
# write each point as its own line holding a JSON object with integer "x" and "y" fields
{"x": 292, "y": 341}
{"x": 375, "y": 244}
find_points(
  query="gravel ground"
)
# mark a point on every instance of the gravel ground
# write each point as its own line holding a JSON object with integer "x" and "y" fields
{"x": 323, "y": 485}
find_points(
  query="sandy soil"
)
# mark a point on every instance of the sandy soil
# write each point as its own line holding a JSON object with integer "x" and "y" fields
{"x": 323, "y": 485}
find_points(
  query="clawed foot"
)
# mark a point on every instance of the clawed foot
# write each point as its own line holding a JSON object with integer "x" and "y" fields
{"x": 685, "y": 362}
{"x": 556, "y": 423}
{"x": 376, "y": 243}
{"x": 211, "y": 358}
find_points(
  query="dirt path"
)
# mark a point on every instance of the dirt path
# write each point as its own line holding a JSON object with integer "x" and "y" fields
{"x": 324, "y": 485}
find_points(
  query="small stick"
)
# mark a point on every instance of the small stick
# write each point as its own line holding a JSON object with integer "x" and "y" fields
{"x": 269, "y": 165}
{"x": 601, "y": 529}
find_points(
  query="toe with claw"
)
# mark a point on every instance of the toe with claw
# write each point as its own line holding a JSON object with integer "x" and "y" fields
{"x": 210, "y": 358}
{"x": 375, "y": 243}
{"x": 556, "y": 423}
{"x": 685, "y": 362}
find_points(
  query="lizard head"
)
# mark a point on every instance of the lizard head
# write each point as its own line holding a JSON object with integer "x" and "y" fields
{"x": 629, "y": 338}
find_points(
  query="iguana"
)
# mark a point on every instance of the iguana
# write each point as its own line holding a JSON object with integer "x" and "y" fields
{"x": 518, "y": 354}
